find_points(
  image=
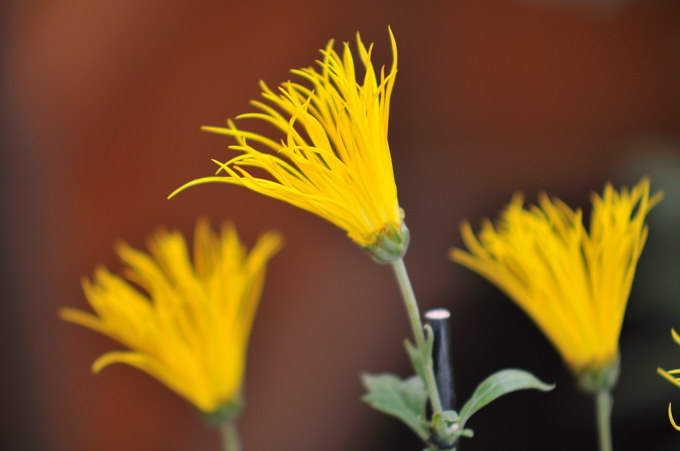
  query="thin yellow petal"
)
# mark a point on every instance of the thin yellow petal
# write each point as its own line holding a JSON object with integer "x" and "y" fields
{"x": 189, "y": 325}
{"x": 332, "y": 158}
{"x": 670, "y": 417}
{"x": 667, "y": 375}
{"x": 574, "y": 283}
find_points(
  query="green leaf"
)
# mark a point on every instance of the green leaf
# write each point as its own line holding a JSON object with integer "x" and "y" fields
{"x": 448, "y": 415}
{"x": 429, "y": 340}
{"x": 447, "y": 429}
{"x": 401, "y": 398}
{"x": 416, "y": 360}
{"x": 497, "y": 385}
{"x": 420, "y": 360}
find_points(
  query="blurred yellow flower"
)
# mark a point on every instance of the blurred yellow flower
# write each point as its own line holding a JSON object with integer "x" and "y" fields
{"x": 334, "y": 160}
{"x": 185, "y": 324}
{"x": 674, "y": 377}
{"x": 573, "y": 283}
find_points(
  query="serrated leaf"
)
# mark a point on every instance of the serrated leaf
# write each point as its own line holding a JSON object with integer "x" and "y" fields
{"x": 497, "y": 385}
{"x": 404, "y": 399}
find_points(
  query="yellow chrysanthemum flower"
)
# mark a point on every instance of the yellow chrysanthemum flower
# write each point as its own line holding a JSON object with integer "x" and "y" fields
{"x": 334, "y": 159}
{"x": 186, "y": 324}
{"x": 674, "y": 377}
{"x": 573, "y": 283}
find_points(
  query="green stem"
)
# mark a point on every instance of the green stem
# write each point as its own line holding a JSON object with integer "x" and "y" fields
{"x": 413, "y": 312}
{"x": 603, "y": 407}
{"x": 230, "y": 437}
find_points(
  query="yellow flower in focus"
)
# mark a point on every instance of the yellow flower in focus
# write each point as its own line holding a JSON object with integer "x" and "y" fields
{"x": 186, "y": 324}
{"x": 572, "y": 282}
{"x": 674, "y": 377}
{"x": 333, "y": 159}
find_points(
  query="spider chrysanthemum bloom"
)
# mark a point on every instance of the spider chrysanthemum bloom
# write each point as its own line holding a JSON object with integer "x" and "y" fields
{"x": 330, "y": 153}
{"x": 572, "y": 282}
{"x": 674, "y": 377}
{"x": 186, "y": 323}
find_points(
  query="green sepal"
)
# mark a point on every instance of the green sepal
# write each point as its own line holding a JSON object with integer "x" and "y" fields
{"x": 597, "y": 378}
{"x": 390, "y": 243}
{"x": 225, "y": 413}
{"x": 404, "y": 399}
{"x": 497, "y": 385}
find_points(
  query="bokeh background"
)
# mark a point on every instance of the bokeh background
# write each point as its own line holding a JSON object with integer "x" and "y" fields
{"x": 101, "y": 107}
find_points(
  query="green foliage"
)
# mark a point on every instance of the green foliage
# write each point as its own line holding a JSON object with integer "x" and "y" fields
{"x": 446, "y": 428}
{"x": 420, "y": 360}
{"x": 497, "y": 385}
{"x": 402, "y": 398}
{"x": 406, "y": 399}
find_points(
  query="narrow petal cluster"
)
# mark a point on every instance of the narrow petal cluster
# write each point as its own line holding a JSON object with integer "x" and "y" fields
{"x": 673, "y": 376}
{"x": 331, "y": 156}
{"x": 572, "y": 282}
{"x": 185, "y": 323}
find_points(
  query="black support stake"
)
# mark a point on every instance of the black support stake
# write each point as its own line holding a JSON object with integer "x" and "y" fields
{"x": 438, "y": 320}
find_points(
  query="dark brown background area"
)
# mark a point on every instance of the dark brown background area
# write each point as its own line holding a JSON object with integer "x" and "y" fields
{"x": 101, "y": 105}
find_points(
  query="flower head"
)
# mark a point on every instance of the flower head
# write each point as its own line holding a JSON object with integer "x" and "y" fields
{"x": 673, "y": 376}
{"x": 572, "y": 282}
{"x": 186, "y": 324}
{"x": 333, "y": 158}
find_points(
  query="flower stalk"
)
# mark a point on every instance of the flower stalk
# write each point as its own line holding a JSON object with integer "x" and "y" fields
{"x": 230, "y": 437}
{"x": 413, "y": 313}
{"x": 603, "y": 407}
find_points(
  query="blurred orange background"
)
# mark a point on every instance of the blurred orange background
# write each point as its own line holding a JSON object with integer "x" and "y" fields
{"x": 101, "y": 108}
